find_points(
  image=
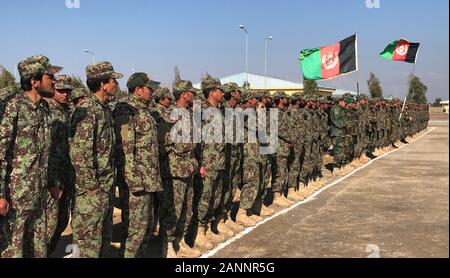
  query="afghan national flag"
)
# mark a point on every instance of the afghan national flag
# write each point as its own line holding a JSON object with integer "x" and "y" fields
{"x": 329, "y": 61}
{"x": 401, "y": 50}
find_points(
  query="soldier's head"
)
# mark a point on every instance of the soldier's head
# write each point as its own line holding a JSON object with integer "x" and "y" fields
{"x": 163, "y": 96}
{"x": 248, "y": 99}
{"x": 212, "y": 89}
{"x": 63, "y": 89}
{"x": 184, "y": 92}
{"x": 77, "y": 96}
{"x": 101, "y": 78}
{"x": 231, "y": 90}
{"x": 142, "y": 86}
{"x": 36, "y": 73}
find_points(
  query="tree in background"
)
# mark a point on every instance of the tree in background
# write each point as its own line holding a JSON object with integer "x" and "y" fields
{"x": 374, "y": 86}
{"x": 7, "y": 80}
{"x": 310, "y": 88}
{"x": 417, "y": 90}
{"x": 437, "y": 102}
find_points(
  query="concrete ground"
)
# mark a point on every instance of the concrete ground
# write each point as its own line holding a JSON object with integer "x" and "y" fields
{"x": 398, "y": 206}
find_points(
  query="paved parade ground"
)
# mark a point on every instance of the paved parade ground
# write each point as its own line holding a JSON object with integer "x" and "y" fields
{"x": 397, "y": 206}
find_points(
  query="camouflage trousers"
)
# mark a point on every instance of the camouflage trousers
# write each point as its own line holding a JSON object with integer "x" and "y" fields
{"x": 208, "y": 197}
{"x": 26, "y": 232}
{"x": 251, "y": 176}
{"x": 281, "y": 173}
{"x": 317, "y": 156}
{"x": 137, "y": 219}
{"x": 295, "y": 165}
{"x": 92, "y": 223}
{"x": 308, "y": 161}
{"x": 348, "y": 149}
{"x": 57, "y": 213}
{"x": 338, "y": 151}
{"x": 176, "y": 208}
{"x": 232, "y": 177}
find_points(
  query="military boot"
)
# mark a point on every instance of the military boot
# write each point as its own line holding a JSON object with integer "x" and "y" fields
{"x": 234, "y": 226}
{"x": 187, "y": 252}
{"x": 224, "y": 230}
{"x": 171, "y": 254}
{"x": 279, "y": 201}
{"x": 201, "y": 241}
{"x": 243, "y": 219}
{"x": 265, "y": 211}
{"x": 214, "y": 238}
{"x": 293, "y": 195}
{"x": 256, "y": 218}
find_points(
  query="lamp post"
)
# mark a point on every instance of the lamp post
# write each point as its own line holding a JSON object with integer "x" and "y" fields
{"x": 93, "y": 55}
{"x": 269, "y": 38}
{"x": 246, "y": 53}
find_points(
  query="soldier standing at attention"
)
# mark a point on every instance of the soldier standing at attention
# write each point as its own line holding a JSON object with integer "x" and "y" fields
{"x": 24, "y": 146}
{"x": 92, "y": 152}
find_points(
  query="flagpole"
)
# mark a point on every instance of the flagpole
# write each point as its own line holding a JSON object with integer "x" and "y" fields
{"x": 357, "y": 66}
{"x": 407, "y": 88}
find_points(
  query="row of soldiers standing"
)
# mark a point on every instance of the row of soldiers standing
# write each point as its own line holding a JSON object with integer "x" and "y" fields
{"x": 59, "y": 160}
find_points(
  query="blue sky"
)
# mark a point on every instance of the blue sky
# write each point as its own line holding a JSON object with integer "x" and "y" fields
{"x": 203, "y": 36}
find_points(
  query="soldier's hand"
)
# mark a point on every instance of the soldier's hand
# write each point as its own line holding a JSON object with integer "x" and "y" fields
{"x": 4, "y": 207}
{"x": 202, "y": 172}
{"x": 56, "y": 193}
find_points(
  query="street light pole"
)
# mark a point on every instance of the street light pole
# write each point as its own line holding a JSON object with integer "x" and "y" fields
{"x": 265, "y": 61}
{"x": 246, "y": 53}
{"x": 93, "y": 55}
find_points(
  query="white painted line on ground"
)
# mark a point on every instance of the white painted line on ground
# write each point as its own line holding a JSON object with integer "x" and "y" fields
{"x": 307, "y": 200}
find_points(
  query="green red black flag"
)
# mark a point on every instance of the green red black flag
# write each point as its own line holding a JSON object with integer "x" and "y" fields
{"x": 330, "y": 61}
{"x": 401, "y": 50}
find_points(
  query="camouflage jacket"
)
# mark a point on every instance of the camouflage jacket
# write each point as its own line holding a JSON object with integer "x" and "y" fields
{"x": 212, "y": 146}
{"x": 157, "y": 111}
{"x": 59, "y": 164}
{"x": 298, "y": 129}
{"x": 92, "y": 142}
{"x": 338, "y": 120}
{"x": 137, "y": 146}
{"x": 177, "y": 158}
{"x": 24, "y": 145}
{"x": 284, "y": 133}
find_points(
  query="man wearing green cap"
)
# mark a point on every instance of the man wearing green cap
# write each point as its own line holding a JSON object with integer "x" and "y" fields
{"x": 137, "y": 161}
{"x": 92, "y": 152}
{"x": 24, "y": 146}
{"x": 178, "y": 165}
{"x": 60, "y": 170}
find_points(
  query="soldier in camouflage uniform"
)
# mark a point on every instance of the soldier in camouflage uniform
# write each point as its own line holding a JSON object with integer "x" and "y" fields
{"x": 24, "y": 146}
{"x": 233, "y": 158}
{"x": 163, "y": 99}
{"x": 178, "y": 165}
{"x": 137, "y": 161}
{"x": 284, "y": 150}
{"x": 77, "y": 96}
{"x": 92, "y": 152}
{"x": 208, "y": 191}
{"x": 60, "y": 170}
{"x": 338, "y": 132}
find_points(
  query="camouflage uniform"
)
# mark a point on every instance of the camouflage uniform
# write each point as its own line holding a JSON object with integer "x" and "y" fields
{"x": 338, "y": 131}
{"x": 178, "y": 165}
{"x": 298, "y": 131}
{"x": 92, "y": 152}
{"x": 24, "y": 146}
{"x": 137, "y": 164}
{"x": 60, "y": 170}
{"x": 208, "y": 198}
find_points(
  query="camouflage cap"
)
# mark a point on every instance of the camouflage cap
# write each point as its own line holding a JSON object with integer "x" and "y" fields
{"x": 230, "y": 87}
{"x": 246, "y": 95}
{"x": 102, "y": 70}
{"x": 183, "y": 86}
{"x": 210, "y": 82}
{"x": 63, "y": 82}
{"x": 163, "y": 92}
{"x": 36, "y": 64}
{"x": 78, "y": 92}
{"x": 141, "y": 79}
